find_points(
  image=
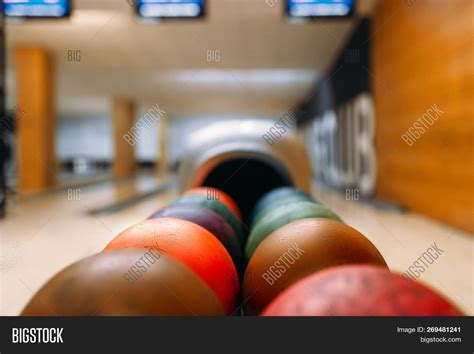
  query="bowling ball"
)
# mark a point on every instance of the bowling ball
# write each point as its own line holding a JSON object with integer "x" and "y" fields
{"x": 216, "y": 206}
{"x": 281, "y": 216}
{"x": 125, "y": 283}
{"x": 217, "y": 194}
{"x": 277, "y": 194}
{"x": 300, "y": 249}
{"x": 359, "y": 290}
{"x": 208, "y": 219}
{"x": 274, "y": 204}
{"x": 190, "y": 244}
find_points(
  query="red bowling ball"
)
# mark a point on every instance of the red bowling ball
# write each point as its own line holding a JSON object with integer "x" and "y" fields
{"x": 190, "y": 244}
{"x": 359, "y": 290}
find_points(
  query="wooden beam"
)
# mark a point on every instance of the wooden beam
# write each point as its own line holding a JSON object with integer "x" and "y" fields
{"x": 163, "y": 159}
{"x": 35, "y": 118}
{"x": 123, "y": 116}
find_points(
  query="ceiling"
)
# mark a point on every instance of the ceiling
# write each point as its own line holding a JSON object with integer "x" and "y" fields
{"x": 266, "y": 63}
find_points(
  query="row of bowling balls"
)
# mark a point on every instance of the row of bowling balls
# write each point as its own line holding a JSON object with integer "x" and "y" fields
{"x": 181, "y": 261}
{"x": 189, "y": 257}
{"x": 303, "y": 260}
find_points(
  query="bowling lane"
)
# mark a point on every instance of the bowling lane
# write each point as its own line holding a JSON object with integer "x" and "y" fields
{"x": 64, "y": 232}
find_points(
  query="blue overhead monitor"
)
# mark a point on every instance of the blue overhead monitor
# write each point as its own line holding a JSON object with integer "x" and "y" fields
{"x": 37, "y": 8}
{"x": 319, "y": 8}
{"x": 170, "y": 8}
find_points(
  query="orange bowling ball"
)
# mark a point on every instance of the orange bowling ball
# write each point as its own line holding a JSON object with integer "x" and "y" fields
{"x": 217, "y": 194}
{"x": 190, "y": 244}
{"x": 299, "y": 249}
{"x": 135, "y": 282}
{"x": 359, "y": 290}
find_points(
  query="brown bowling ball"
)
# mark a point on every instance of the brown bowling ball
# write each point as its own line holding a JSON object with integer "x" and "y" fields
{"x": 134, "y": 282}
{"x": 299, "y": 249}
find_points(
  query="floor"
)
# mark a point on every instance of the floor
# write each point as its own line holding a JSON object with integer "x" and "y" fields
{"x": 45, "y": 233}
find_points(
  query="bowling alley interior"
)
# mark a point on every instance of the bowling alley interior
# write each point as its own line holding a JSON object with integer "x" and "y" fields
{"x": 237, "y": 158}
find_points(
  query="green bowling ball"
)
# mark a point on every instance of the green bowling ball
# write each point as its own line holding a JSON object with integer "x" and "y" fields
{"x": 276, "y": 203}
{"x": 275, "y": 194}
{"x": 283, "y": 215}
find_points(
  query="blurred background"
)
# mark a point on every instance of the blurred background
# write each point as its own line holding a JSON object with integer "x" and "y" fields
{"x": 100, "y": 101}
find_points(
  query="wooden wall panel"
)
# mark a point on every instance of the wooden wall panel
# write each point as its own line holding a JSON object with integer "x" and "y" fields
{"x": 36, "y": 126}
{"x": 422, "y": 56}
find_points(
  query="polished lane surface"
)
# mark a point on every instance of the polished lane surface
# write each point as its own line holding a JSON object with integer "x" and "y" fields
{"x": 44, "y": 234}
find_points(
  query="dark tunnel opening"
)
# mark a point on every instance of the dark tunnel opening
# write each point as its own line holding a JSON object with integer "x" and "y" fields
{"x": 246, "y": 180}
